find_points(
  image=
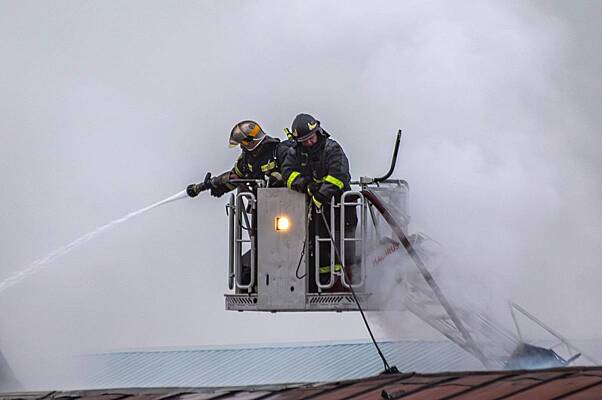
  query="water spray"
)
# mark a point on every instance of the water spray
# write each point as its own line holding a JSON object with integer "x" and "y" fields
{"x": 40, "y": 263}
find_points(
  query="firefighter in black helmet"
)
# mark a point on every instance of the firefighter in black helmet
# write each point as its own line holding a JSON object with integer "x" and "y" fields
{"x": 261, "y": 159}
{"x": 319, "y": 167}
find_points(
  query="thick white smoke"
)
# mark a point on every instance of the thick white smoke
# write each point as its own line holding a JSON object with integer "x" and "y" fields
{"x": 109, "y": 106}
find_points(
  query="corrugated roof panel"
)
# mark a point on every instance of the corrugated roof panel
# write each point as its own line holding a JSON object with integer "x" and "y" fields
{"x": 211, "y": 367}
{"x": 270, "y": 364}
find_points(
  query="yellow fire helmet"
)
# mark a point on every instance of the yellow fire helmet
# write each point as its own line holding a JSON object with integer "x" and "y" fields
{"x": 247, "y": 134}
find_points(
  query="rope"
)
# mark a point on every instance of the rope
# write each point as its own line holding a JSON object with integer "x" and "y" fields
{"x": 308, "y": 219}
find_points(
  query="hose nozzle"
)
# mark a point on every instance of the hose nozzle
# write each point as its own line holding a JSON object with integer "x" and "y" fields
{"x": 194, "y": 189}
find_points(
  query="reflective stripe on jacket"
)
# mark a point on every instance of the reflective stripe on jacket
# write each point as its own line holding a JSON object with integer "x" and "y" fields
{"x": 324, "y": 163}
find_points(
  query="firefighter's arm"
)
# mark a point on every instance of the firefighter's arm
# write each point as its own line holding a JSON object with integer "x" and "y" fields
{"x": 221, "y": 185}
{"x": 240, "y": 168}
{"x": 276, "y": 176}
{"x": 291, "y": 172}
{"x": 281, "y": 153}
{"x": 337, "y": 175}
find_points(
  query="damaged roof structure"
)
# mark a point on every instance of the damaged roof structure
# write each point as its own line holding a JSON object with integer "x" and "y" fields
{"x": 574, "y": 383}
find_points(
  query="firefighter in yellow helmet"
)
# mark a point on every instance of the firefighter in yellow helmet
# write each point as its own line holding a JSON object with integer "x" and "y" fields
{"x": 261, "y": 158}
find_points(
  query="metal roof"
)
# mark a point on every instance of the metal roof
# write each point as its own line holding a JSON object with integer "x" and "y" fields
{"x": 561, "y": 383}
{"x": 269, "y": 364}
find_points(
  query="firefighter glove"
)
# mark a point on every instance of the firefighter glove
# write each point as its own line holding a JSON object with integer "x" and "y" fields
{"x": 300, "y": 184}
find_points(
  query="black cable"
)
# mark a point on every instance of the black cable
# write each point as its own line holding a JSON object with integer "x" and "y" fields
{"x": 388, "y": 369}
{"x": 393, "y": 160}
{"x": 308, "y": 207}
{"x": 300, "y": 259}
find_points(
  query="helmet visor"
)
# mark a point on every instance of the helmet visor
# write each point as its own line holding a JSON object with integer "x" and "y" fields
{"x": 306, "y": 137}
{"x": 253, "y": 143}
{"x": 309, "y": 135}
{"x": 240, "y": 137}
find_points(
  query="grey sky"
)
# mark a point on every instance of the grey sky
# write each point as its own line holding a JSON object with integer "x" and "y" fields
{"x": 110, "y": 106}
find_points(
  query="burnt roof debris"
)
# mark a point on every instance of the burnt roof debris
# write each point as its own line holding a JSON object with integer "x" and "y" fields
{"x": 527, "y": 356}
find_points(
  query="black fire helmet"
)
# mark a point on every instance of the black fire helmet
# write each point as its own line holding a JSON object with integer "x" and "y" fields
{"x": 304, "y": 125}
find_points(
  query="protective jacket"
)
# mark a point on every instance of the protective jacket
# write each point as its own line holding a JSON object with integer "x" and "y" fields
{"x": 321, "y": 170}
{"x": 265, "y": 162}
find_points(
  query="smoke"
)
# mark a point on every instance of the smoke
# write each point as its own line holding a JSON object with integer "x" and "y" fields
{"x": 496, "y": 161}
{"x": 497, "y": 167}
{"x": 108, "y": 106}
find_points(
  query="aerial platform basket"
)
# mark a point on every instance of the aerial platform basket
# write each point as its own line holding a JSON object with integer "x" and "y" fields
{"x": 272, "y": 266}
